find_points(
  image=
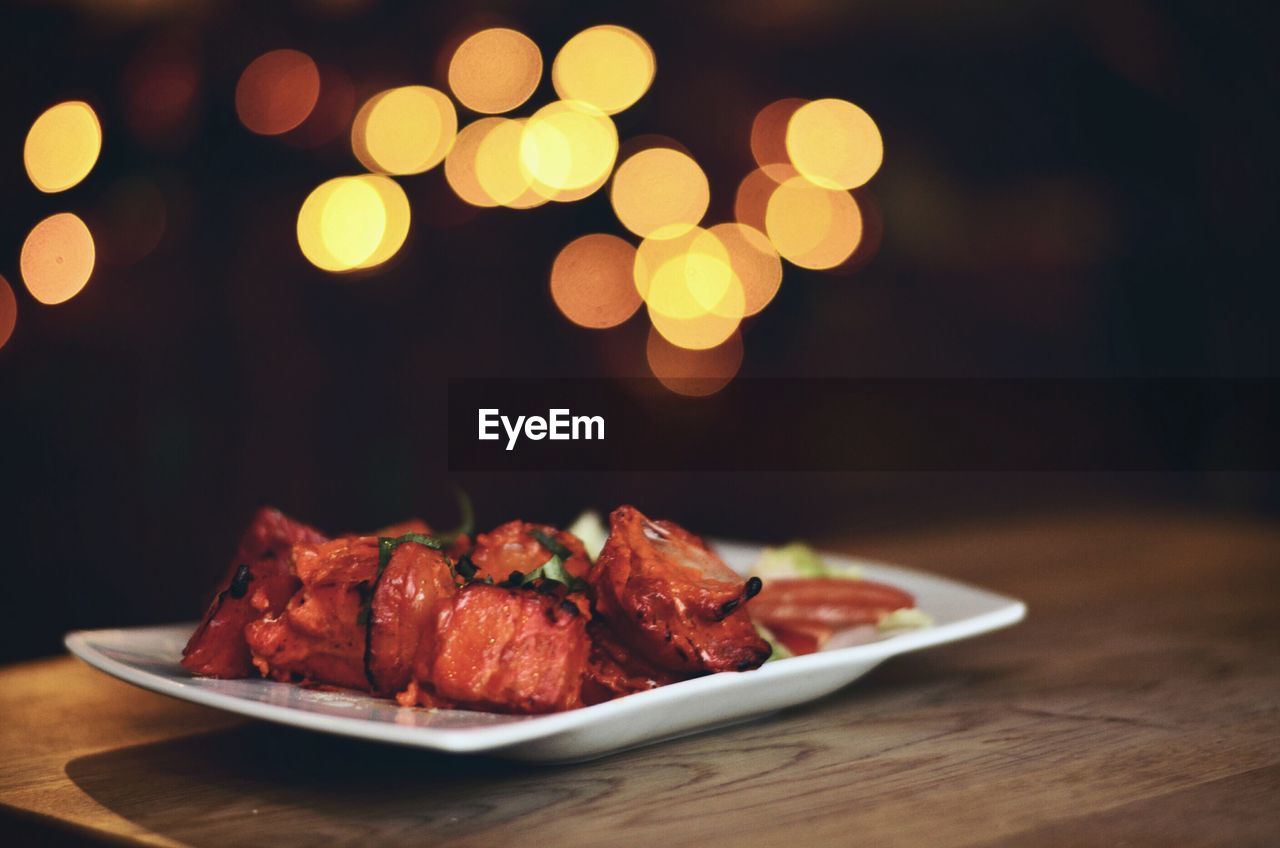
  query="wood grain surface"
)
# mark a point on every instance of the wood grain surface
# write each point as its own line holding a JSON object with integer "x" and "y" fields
{"x": 1139, "y": 704}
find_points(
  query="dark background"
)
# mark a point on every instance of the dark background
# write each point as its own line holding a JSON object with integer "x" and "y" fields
{"x": 1070, "y": 189}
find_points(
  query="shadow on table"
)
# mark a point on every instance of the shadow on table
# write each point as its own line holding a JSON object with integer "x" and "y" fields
{"x": 278, "y": 785}
{"x": 283, "y": 785}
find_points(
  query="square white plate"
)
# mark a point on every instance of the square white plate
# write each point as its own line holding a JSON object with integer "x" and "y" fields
{"x": 148, "y": 657}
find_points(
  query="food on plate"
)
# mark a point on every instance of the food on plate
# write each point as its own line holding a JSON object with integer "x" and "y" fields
{"x": 519, "y": 546}
{"x": 806, "y": 601}
{"x": 415, "y": 588}
{"x": 511, "y": 650}
{"x": 526, "y": 618}
{"x": 613, "y": 670}
{"x": 796, "y": 559}
{"x": 672, "y": 601}
{"x": 259, "y": 581}
{"x": 319, "y": 635}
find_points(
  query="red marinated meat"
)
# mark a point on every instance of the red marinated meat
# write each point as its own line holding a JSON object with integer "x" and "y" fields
{"x": 672, "y": 601}
{"x": 319, "y": 636}
{"x": 258, "y": 582}
{"x": 414, "y": 589}
{"x": 510, "y": 650}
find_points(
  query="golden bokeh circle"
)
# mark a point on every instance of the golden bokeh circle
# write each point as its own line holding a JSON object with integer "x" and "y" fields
{"x": 498, "y": 167}
{"x": 495, "y": 70}
{"x": 57, "y": 258}
{"x": 834, "y": 143}
{"x": 460, "y": 165}
{"x": 751, "y": 200}
{"x": 591, "y": 281}
{"x": 704, "y": 331}
{"x": 353, "y": 223}
{"x": 685, "y": 276}
{"x": 567, "y": 146}
{"x": 660, "y": 193}
{"x": 754, "y": 260}
{"x": 395, "y": 206}
{"x": 62, "y": 146}
{"x": 404, "y": 130}
{"x": 811, "y": 226}
{"x": 608, "y": 66}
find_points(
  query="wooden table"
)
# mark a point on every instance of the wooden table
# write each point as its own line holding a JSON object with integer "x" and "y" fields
{"x": 1138, "y": 705}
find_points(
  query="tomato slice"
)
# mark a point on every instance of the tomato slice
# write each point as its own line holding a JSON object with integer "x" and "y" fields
{"x": 825, "y": 604}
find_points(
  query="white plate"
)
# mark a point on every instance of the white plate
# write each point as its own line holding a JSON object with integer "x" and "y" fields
{"x": 148, "y": 657}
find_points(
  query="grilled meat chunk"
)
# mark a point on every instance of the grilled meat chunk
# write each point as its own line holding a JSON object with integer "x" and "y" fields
{"x": 414, "y": 589}
{"x": 614, "y": 671}
{"x": 258, "y": 582}
{"x": 511, "y": 650}
{"x": 319, "y": 636}
{"x": 672, "y": 601}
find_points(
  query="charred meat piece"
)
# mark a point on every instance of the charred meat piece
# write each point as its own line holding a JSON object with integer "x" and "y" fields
{"x": 672, "y": 601}
{"x": 257, "y": 583}
{"x": 614, "y": 671}
{"x": 512, "y": 651}
{"x": 515, "y": 546}
{"x": 414, "y": 589}
{"x": 320, "y": 637}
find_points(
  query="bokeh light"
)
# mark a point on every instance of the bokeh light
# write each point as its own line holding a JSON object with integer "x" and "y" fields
{"x": 495, "y": 70}
{"x": 685, "y": 276}
{"x": 352, "y": 223}
{"x": 404, "y": 130}
{"x": 568, "y": 146}
{"x": 811, "y": 226}
{"x": 834, "y": 143}
{"x": 460, "y": 165}
{"x": 752, "y": 198}
{"x": 277, "y": 91}
{"x": 769, "y": 131}
{"x": 755, "y": 262}
{"x": 694, "y": 373}
{"x": 62, "y": 146}
{"x": 57, "y": 258}
{"x": 704, "y": 331}
{"x": 692, "y": 295}
{"x": 8, "y": 311}
{"x": 608, "y": 66}
{"x": 499, "y": 171}
{"x": 660, "y": 193}
{"x": 591, "y": 281}
{"x": 395, "y": 206}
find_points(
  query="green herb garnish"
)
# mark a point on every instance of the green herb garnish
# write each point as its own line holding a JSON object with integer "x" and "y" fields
{"x": 466, "y": 522}
{"x": 551, "y": 544}
{"x": 553, "y": 570}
